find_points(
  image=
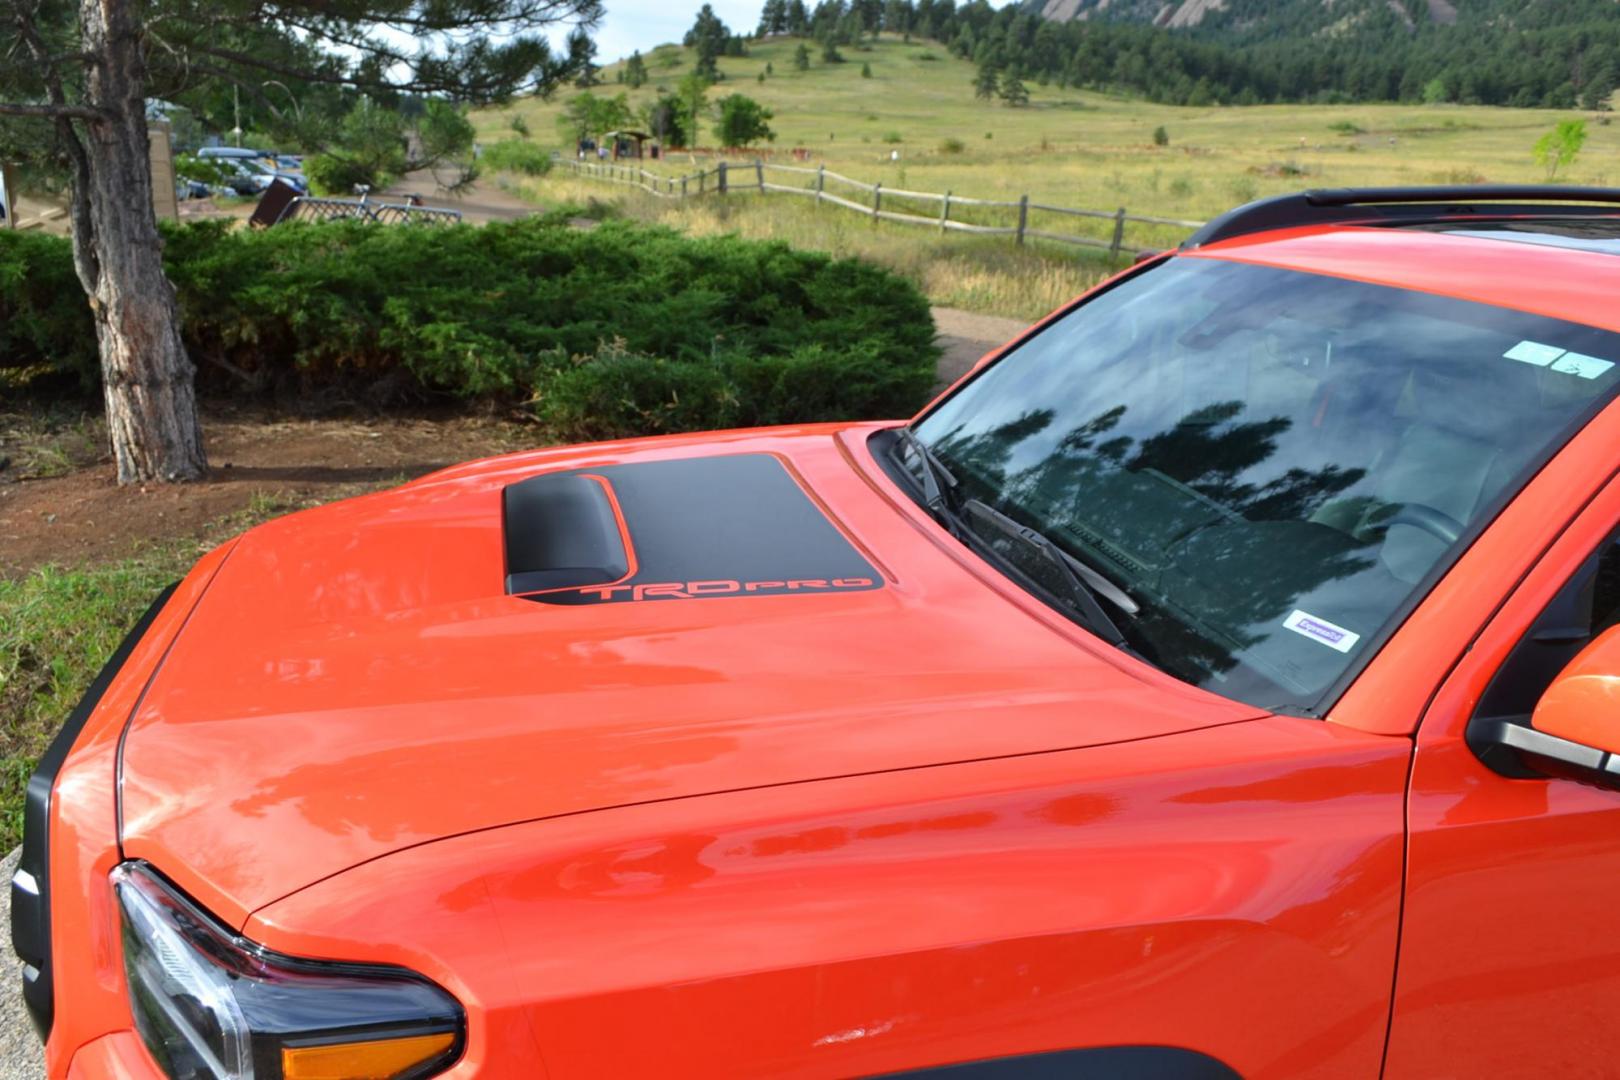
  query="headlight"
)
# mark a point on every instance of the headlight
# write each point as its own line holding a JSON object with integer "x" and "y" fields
{"x": 213, "y": 1006}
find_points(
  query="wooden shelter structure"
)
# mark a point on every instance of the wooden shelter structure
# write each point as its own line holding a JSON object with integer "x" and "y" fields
{"x": 629, "y": 144}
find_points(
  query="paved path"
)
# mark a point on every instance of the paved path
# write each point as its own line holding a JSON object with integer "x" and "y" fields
{"x": 966, "y": 337}
{"x": 479, "y": 204}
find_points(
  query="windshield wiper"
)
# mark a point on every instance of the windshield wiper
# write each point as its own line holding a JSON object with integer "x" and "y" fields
{"x": 1085, "y": 584}
{"x": 936, "y": 482}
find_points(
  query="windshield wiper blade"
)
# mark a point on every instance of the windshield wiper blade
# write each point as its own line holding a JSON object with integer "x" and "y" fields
{"x": 936, "y": 482}
{"x": 1085, "y": 584}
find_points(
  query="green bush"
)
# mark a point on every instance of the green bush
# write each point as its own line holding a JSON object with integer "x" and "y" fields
{"x": 515, "y": 155}
{"x": 617, "y": 330}
{"x": 337, "y": 174}
{"x": 44, "y": 316}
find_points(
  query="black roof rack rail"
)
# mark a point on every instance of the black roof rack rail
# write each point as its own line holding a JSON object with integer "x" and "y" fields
{"x": 1327, "y": 205}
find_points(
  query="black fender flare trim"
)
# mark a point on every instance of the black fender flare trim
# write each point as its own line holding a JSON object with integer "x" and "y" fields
{"x": 30, "y": 885}
{"x": 1090, "y": 1063}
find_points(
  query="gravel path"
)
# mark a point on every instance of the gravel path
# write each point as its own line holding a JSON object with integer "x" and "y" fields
{"x": 966, "y": 337}
{"x": 21, "y": 1056}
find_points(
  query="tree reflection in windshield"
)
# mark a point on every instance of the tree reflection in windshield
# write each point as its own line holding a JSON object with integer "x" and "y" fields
{"x": 1239, "y": 470}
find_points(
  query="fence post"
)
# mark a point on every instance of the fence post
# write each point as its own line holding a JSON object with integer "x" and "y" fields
{"x": 759, "y": 173}
{"x": 1023, "y": 217}
{"x": 703, "y": 182}
{"x": 945, "y": 210}
{"x": 821, "y": 180}
{"x": 877, "y": 199}
{"x": 1119, "y": 233}
{"x": 721, "y": 169}
{"x": 683, "y": 187}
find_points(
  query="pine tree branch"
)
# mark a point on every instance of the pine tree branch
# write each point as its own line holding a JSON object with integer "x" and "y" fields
{"x": 52, "y": 112}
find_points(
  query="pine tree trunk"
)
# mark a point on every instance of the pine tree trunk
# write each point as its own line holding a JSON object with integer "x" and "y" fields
{"x": 148, "y": 381}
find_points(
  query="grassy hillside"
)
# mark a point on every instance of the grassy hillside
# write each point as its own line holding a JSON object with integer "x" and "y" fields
{"x": 1067, "y": 147}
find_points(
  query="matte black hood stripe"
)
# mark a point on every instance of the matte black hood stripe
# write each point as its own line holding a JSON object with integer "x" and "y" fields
{"x": 683, "y": 529}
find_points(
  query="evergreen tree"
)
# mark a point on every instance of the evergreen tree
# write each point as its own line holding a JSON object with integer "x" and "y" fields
{"x": 801, "y": 57}
{"x": 987, "y": 81}
{"x": 635, "y": 71}
{"x": 773, "y": 19}
{"x": 829, "y": 51}
{"x": 1599, "y": 88}
{"x": 1011, "y": 88}
{"x": 708, "y": 38}
{"x": 866, "y": 71}
{"x": 798, "y": 17}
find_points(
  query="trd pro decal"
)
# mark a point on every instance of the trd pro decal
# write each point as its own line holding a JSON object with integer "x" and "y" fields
{"x": 688, "y": 529}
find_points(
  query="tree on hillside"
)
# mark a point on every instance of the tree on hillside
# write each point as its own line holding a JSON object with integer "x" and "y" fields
{"x": 708, "y": 38}
{"x": 1558, "y": 148}
{"x": 86, "y": 71}
{"x": 866, "y": 70}
{"x": 1600, "y": 88}
{"x": 801, "y": 57}
{"x": 773, "y": 18}
{"x": 798, "y": 17}
{"x": 1011, "y": 88}
{"x": 743, "y": 121}
{"x": 635, "y": 71}
{"x": 987, "y": 81}
{"x": 589, "y": 73}
{"x": 692, "y": 97}
{"x": 829, "y": 51}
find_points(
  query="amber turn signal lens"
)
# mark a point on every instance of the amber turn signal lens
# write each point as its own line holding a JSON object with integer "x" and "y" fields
{"x": 379, "y": 1059}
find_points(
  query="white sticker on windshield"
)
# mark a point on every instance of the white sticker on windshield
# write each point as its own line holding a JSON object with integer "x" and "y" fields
{"x": 1534, "y": 352}
{"x": 1587, "y": 367}
{"x": 1334, "y": 637}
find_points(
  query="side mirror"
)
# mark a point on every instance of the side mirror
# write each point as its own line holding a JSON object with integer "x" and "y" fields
{"x": 1575, "y": 728}
{"x": 1583, "y": 704}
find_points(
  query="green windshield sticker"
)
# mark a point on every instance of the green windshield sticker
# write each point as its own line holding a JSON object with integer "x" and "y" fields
{"x": 1534, "y": 352}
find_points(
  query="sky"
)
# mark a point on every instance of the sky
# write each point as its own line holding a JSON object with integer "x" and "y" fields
{"x": 644, "y": 24}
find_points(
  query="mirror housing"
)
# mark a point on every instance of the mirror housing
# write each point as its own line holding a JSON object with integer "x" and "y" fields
{"x": 1574, "y": 730}
{"x": 1583, "y": 704}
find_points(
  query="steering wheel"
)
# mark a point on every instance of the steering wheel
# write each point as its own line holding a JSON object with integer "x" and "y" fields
{"x": 1436, "y": 523}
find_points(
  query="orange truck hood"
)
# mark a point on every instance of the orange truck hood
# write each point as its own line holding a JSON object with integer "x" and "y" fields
{"x": 357, "y": 680}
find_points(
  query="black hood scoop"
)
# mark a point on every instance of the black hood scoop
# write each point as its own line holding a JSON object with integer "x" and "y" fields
{"x": 731, "y": 525}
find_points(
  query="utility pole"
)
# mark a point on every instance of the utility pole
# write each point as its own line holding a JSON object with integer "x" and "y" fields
{"x": 236, "y": 102}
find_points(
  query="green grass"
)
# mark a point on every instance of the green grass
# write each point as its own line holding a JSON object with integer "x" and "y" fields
{"x": 1067, "y": 148}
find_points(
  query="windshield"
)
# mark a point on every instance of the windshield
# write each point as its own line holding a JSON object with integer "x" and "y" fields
{"x": 1272, "y": 465}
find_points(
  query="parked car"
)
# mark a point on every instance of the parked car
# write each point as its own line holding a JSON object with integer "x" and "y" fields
{"x": 252, "y": 177}
{"x": 1219, "y": 680}
{"x": 238, "y": 153}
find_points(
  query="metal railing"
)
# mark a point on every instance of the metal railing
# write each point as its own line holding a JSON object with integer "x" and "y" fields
{"x": 314, "y": 208}
{"x": 729, "y": 177}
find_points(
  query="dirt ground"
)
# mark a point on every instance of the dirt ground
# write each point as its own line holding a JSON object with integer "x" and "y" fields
{"x": 75, "y": 513}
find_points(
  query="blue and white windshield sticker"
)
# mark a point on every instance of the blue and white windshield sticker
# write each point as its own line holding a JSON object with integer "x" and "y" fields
{"x": 1322, "y": 631}
{"x": 1551, "y": 356}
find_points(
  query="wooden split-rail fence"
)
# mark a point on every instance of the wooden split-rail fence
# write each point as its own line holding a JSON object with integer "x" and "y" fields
{"x": 725, "y": 178}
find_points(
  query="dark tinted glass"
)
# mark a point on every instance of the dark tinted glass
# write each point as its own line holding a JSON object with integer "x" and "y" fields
{"x": 1273, "y": 464}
